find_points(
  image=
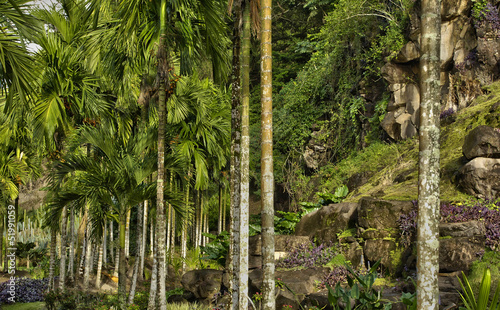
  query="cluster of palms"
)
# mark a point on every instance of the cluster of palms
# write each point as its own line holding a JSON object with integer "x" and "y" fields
{"x": 113, "y": 104}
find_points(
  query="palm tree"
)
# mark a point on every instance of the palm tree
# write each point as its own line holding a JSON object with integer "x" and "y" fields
{"x": 267, "y": 183}
{"x": 428, "y": 180}
{"x": 16, "y": 64}
{"x": 118, "y": 174}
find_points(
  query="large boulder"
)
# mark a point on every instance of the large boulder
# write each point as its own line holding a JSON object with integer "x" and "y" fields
{"x": 384, "y": 250}
{"x": 293, "y": 285}
{"x": 379, "y": 218}
{"x": 480, "y": 177}
{"x": 459, "y": 253}
{"x": 463, "y": 229}
{"x": 325, "y": 223}
{"x": 204, "y": 283}
{"x": 482, "y": 141}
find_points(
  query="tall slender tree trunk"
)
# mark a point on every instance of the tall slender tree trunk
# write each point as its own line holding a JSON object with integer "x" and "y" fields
{"x": 105, "y": 244}
{"x": 122, "y": 270}
{"x": 163, "y": 76}
{"x": 185, "y": 224}
{"x": 154, "y": 275}
{"x": 428, "y": 183}
{"x": 143, "y": 244}
{"x": 206, "y": 228}
{"x": 138, "y": 255}
{"x": 127, "y": 235}
{"x": 151, "y": 237}
{"x": 224, "y": 204}
{"x": 99, "y": 261}
{"x": 88, "y": 252}
{"x": 111, "y": 241}
{"x": 62, "y": 268}
{"x": 116, "y": 272}
{"x": 71, "y": 267}
{"x": 52, "y": 262}
{"x": 267, "y": 176}
{"x": 234, "y": 216}
{"x": 245, "y": 159}
{"x": 219, "y": 221}
{"x": 172, "y": 237}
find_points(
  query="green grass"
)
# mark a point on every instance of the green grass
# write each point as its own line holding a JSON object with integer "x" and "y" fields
{"x": 27, "y": 306}
{"x": 385, "y": 162}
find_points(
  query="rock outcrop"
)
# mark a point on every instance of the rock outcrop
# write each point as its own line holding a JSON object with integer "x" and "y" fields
{"x": 480, "y": 177}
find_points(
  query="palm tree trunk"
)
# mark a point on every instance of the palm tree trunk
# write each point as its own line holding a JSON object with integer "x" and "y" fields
{"x": 163, "y": 75}
{"x": 154, "y": 276}
{"x": 127, "y": 235}
{"x": 122, "y": 271}
{"x": 71, "y": 267}
{"x": 245, "y": 159}
{"x": 151, "y": 236}
{"x": 89, "y": 258}
{"x": 224, "y": 208}
{"x": 219, "y": 221}
{"x": 99, "y": 261}
{"x": 52, "y": 263}
{"x": 234, "y": 211}
{"x": 185, "y": 225}
{"x": 116, "y": 272}
{"x": 62, "y": 268}
{"x": 428, "y": 189}
{"x": 205, "y": 238}
{"x": 105, "y": 244}
{"x": 172, "y": 237}
{"x": 138, "y": 255}
{"x": 143, "y": 244}
{"x": 111, "y": 241}
{"x": 267, "y": 183}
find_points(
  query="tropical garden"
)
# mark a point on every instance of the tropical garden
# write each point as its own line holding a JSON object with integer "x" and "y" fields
{"x": 148, "y": 126}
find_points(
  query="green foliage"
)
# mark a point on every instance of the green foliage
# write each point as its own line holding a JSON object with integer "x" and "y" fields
{"x": 328, "y": 198}
{"x": 478, "y": 6}
{"x": 217, "y": 249}
{"x": 285, "y": 225}
{"x": 481, "y": 303}
{"x": 360, "y": 293}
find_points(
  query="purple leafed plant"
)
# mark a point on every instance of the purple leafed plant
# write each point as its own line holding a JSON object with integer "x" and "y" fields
{"x": 26, "y": 290}
{"x": 338, "y": 274}
{"x": 484, "y": 211}
{"x": 308, "y": 255}
{"x": 446, "y": 113}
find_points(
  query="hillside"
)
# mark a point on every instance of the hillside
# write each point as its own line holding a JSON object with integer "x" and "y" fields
{"x": 390, "y": 171}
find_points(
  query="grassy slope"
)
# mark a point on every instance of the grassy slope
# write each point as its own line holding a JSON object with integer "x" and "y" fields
{"x": 385, "y": 162}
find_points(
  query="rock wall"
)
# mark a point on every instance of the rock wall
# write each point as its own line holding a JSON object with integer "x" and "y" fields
{"x": 470, "y": 54}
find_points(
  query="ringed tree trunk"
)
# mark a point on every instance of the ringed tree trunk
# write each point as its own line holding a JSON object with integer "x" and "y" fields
{"x": 138, "y": 255}
{"x": 163, "y": 75}
{"x": 71, "y": 267}
{"x": 127, "y": 235}
{"x": 143, "y": 242}
{"x": 111, "y": 242}
{"x": 52, "y": 263}
{"x": 235, "y": 197}
{"x": 219, "y": 221}
{"x": 267, "y": 176}
{"x": 122, "y": 270}
{"x": 62, "y": 267}
{"x": 99, "y": 261}
{"x": 428, "y": 183}
{"x": 88, "y": 252}
{"x": 154, "y": 276}
{"x": 245, "y": 160}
